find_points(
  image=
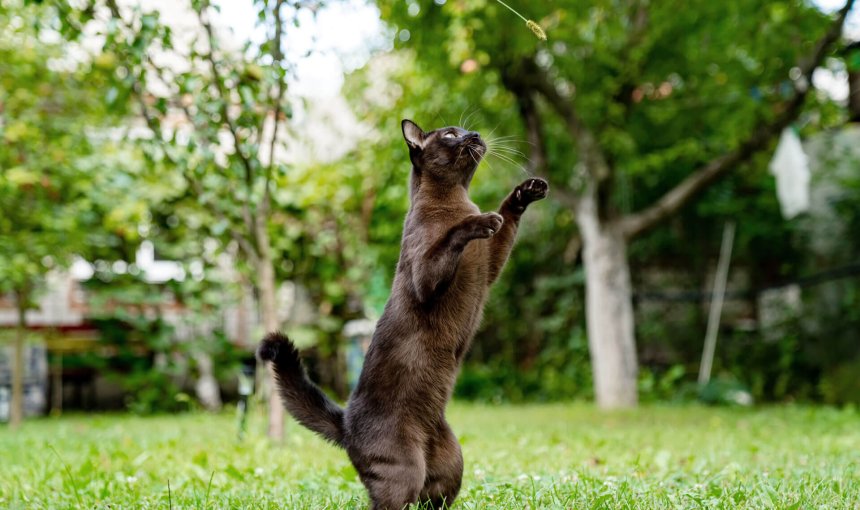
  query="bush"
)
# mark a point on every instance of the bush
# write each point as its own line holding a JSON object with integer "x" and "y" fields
{"x": 841, "y": 385}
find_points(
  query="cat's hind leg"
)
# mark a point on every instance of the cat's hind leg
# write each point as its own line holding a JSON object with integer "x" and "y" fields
{"x": 444, "y": 469}
{"x": 394, "y": 481}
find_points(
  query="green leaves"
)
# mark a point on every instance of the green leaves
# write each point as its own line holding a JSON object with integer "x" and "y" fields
{"x": 48, "y": 114}
{"x": 21, "y": 177}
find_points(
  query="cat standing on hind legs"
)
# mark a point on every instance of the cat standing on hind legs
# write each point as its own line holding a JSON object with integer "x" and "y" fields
{"x": 394, "y": 428}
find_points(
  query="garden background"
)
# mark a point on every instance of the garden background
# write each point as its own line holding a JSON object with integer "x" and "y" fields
{"x": 178, "y": 178}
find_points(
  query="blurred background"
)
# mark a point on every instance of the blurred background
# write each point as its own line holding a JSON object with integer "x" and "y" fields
{"x": 178, "y": 178}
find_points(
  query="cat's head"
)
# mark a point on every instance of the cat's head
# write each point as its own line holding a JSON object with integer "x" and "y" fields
{"x": 447, "y": 155}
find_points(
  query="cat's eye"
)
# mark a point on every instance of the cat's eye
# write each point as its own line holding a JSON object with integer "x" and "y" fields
{"x": 449, "y": 134}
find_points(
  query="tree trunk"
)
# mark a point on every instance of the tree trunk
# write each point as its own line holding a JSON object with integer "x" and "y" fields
{"x": 269, "y": 312}
{"x": 206, "y": 386}
{"x": 609, "y": 308}
{"x": 16, "y": 411}
{"x": 57, "y": 386}
{"x": 854, "y": 93}
{"x": 242, "y": 319}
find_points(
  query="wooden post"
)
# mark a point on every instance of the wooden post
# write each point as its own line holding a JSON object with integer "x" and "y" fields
{"x": 717, "y": 297}
{"x": 57, "y": 386}
{"x": 16, "y": 410}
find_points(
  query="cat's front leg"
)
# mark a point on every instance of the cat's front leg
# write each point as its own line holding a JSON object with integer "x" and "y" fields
{"x": 478, "y": 226}
{"x": 531, "y": 190}
{"x": 434, "y": 271}
{"x": 513, "y": 207}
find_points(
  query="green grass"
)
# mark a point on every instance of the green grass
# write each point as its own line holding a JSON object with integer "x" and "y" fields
{"x": 548, "y": 456}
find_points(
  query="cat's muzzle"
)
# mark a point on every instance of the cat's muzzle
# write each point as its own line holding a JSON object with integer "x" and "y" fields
{"x": 477, "y": 146}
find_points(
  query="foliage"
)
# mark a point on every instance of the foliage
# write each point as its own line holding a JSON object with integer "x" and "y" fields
{"x": 560, "y": 456}
{"x": 220, "y": 132}
{"x": 721, "y": 66}
{"x": 833, "y": 361}
{"x": 543, "y": 353}
{"x": 663, "y": 93}
{"x": 197, "y": 172}
{"x": 510, "y": 359}
{"x": 841, "y": 386}
{"x": 50, "y": 112}
{"x": 46, "y": 199}
{"x": 152, "y": 362}
{"x": 725, "y": 391}
{"x": 623, "y": 98}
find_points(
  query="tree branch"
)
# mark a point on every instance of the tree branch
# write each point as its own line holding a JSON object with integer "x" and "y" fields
{"x": 243, "y": 243}
{"x": 537, "y": 158}
{"x": 630, "y": 75}
{"x": 250, "y": 220}
{"x": 277, "y": 58}
{"x": 153, "y": 125}
{"x": 538, "y": 161}
{"x": 676, "y": 198}
{"x": 590, "y": 152}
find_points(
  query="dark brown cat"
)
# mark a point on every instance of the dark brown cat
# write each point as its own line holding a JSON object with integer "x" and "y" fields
{"x": 394, "y": 428}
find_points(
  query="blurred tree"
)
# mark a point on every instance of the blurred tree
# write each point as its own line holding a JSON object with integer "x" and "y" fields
{"x": 334, "y": 208}
{"x": 852, "y": 64}
{"x": 633, "y": 96}
{"x": 157, "y": 351}
{"x": 532, "y": 343}
{"x": 48, "y": 106}
{"x": 216, "y": 114}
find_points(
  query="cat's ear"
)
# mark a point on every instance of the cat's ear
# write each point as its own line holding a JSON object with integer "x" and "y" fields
{"x": 413, "y": 134}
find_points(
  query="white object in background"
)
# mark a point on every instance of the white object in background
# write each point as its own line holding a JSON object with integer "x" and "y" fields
{"x": 791, "y": 168}
{"x": 156, "y": 271}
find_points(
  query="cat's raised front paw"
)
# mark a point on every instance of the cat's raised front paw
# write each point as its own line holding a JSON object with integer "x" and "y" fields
{"x": 486, "y": 225}
{"x": 531, "y": 190}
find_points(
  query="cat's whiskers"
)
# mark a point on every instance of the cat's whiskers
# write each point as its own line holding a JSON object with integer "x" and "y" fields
{"x": 508, "y": 161}
{"x": 509, "y": 139}
{"x": 499, "y": 147}
{"x": 506, "y": 137}
{"x": 503, "y": 157}
{"x": 471, "y": 153}
{"x": 509, "y": 150}
{"x": 489, "y": 136}
{"x": 509, "y": 157}
{"x": 505, "y": 146}
{"x": 439, "y": 115}
{"x": 504, "y": 143}
{"x": 465, "y": 122}
{"x": 487, "y": 160}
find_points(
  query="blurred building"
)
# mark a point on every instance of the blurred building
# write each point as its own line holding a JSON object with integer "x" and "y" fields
{"x": 61, "y": 327}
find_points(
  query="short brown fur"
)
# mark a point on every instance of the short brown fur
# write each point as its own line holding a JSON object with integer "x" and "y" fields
{"x": 394, "y": 428}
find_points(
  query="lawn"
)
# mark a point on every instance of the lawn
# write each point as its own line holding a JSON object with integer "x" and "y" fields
{"x": 542, "y": 456}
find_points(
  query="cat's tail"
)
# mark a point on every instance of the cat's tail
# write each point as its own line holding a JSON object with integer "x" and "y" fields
{"x": 302, "y": 398}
